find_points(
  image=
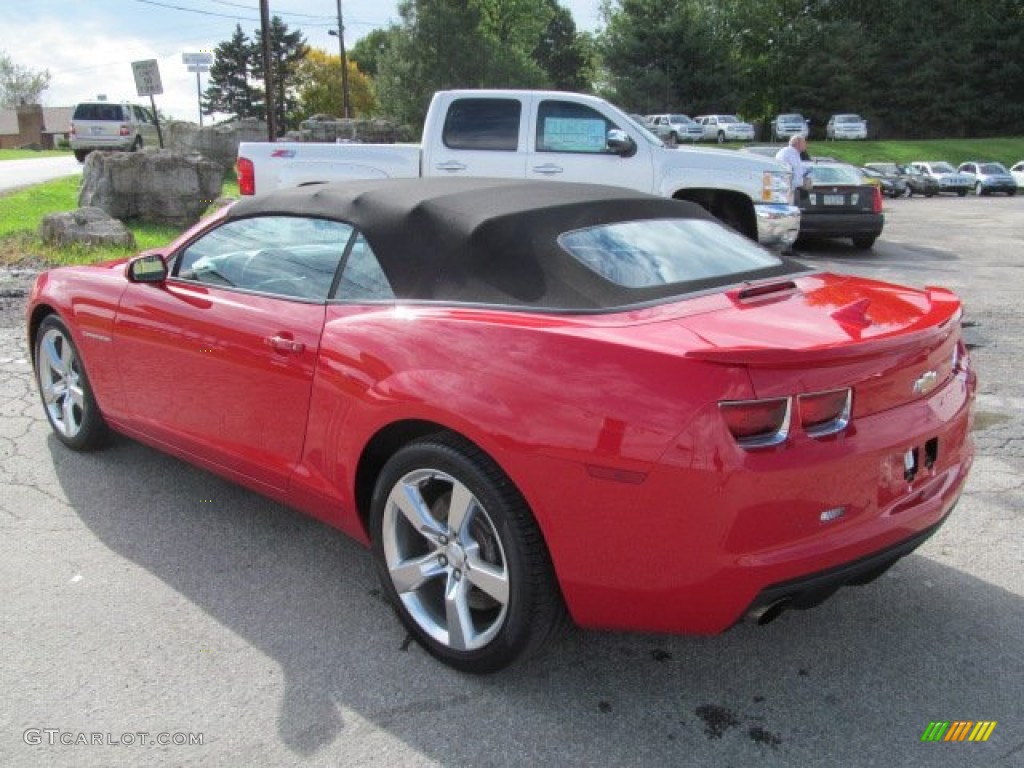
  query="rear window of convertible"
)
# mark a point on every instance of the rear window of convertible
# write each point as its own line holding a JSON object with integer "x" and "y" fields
{"x": 647, "y": 254}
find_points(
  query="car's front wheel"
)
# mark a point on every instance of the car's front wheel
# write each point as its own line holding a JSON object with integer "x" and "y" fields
{"x": 64, "y": 386}
{"x": 460, "y": 556}
{"x": 721, "y": 137}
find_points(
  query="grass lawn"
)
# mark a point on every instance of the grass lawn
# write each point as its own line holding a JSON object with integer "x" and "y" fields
{"x": 955, "y": 151}
{"x": 21, "y": 212}
{"x": 23, "y": 154}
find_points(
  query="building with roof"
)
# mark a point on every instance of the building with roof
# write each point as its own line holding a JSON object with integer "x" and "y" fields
{"x": 34, "y": 125}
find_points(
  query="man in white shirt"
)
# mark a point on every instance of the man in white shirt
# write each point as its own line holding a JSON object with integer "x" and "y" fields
{"x": 791, "y": 156}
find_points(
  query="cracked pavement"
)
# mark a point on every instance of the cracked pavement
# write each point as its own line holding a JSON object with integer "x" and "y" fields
{"x": 144, "y": 596}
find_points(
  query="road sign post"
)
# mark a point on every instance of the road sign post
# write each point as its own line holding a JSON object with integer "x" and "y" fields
{"x": 198, "y": 62}
{"x": 147, "y": 83}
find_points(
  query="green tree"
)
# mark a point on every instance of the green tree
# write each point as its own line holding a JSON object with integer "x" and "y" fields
{"x": 668, "y": 55}
{"x": 287, "y": 50}
{"x": 231, "y": 87}
{"x": 319, "y": 91}
{"x": 494, "y": 42}
{"x": 20, "y": 84}
{"x": 367, "y": 51}
{"x": 565, "y": 56}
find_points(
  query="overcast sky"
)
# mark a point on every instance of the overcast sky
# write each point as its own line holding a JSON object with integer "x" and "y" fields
{"x": 88, "y": 45}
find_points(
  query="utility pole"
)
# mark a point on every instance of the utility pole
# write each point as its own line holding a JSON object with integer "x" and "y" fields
{"x": 340, "y": 34}
{"x": 268, "y": 76}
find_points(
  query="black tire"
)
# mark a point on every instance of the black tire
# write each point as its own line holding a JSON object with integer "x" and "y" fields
{"x": 480, "y": 594}
{"x": 673, "y": 139}
{"x": 864, "y": 242}
{"x": 962, "y": 192}
{"x": 1011, "y": 193}
{"x": 930, "y": 194}
{"x": 979, "y": 190}
{"x": 64, "y": 388}
{"x": 81, "y": 154}
{"x": 721, "y": 137}
{"x": 136, "y": 145}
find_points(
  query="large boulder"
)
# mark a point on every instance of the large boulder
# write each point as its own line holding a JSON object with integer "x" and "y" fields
{"x": 160, "y": 186}
{"x": 89, "y": 226}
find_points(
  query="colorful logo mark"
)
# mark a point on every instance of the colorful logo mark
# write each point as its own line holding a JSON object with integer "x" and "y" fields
{"x": 958, "y": 730}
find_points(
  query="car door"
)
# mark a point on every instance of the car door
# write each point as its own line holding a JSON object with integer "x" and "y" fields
{"x": 147, "y": 127}
{"x": 218, "y": 360}
{"x": 481, "y": 136}
{"x": 570, "y": 143}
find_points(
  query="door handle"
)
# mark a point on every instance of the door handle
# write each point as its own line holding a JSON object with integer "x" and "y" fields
{"x": 451, "y": 165}
{"x": 548, "y": 169}
{"x": 281, "y": 344}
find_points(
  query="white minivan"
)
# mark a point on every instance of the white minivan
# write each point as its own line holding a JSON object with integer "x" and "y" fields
{"x": 107, "y": 125}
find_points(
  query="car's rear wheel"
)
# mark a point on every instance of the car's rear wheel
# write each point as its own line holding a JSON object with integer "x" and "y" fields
{"x": 673, "y": 139}
{"x": 863, "y": 242}
{"x": 460, "y": 556}
{"x": 64, "y": 387}
{"x": 978, "y": 189}
{"x": 962, "y": 192}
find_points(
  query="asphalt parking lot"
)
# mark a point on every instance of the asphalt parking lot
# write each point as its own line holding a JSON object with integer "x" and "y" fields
{"x": 154, "y": 614}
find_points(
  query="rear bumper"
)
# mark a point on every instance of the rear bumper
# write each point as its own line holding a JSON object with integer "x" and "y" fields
{"x": 813, "y": 589}
{"x": 777, "y": 225}
{"x": 841, "y": 225}
{"x": 92, "y": 143}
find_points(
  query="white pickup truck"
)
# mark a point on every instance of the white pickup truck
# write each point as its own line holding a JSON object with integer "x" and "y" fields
{"x": 545, "y": 135}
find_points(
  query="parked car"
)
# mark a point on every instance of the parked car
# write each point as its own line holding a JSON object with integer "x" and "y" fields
{"x": 846, "y": 127}
{"x": 892, "y": 185}
{"x": 918, "y": 182}
{"x": 530, "y": 400}
{"x": 106, "y": 125}
{"x": 1017, "y": 171}
{"x": 675, "y": 128}
{"x": 989, "y": 178}
{"x": 723, "y": 128}
{"x": 841, "y": 204}
{"x": 784, "y": 127}
{"x": 950, "y": 180}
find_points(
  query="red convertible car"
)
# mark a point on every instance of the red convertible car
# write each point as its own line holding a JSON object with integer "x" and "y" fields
{"x": 535, "y": 402}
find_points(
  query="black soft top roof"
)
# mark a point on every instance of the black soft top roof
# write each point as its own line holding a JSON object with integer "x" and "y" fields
{"x": 489, "y": 241}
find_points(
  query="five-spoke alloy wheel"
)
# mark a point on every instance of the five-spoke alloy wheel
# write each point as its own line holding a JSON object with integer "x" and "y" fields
{"x": 460, "y": 556}
{"x": 64, "y": 387}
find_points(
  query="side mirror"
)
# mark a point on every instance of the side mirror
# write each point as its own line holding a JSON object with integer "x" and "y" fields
{"x": 148, "y": 268}
{"x": 619, "y": 142}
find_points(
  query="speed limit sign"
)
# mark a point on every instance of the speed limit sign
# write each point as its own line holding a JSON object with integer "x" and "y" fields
{"x": 147, "y": 77}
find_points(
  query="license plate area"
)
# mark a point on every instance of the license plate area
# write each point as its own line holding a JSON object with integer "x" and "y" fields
{"x": 920, "y": 457}
{"x": 834, "y": 199}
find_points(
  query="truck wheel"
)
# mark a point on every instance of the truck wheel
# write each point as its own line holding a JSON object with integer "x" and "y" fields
{"x": 721, "y": 137}
{"x": 673, "y": 139}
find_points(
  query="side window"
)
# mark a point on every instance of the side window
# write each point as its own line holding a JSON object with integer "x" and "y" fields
{"x": 142, "y": 115}
{"x": 489, "y": 124}
{"x": 362, "y": 278}
{"x": 563, "y": 126}
{"x": 289, "y": 256}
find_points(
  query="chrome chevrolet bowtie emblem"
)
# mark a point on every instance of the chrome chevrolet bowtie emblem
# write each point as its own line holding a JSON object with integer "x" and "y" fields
{"x": 926, "y": 382}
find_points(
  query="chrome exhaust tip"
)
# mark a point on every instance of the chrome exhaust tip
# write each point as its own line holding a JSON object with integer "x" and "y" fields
{"x": 765, "y": 614}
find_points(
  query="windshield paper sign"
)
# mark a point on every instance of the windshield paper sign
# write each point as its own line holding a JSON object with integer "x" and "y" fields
{"x": 570, "y": 134}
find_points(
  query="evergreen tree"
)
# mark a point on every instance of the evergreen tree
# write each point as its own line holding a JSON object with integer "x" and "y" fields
{"x": 231, "y": 88}
{"x": 287, "y": 50}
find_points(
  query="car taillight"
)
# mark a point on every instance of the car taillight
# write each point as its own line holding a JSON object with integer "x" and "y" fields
{"x": 825, "y": 413}
{"x": 876, "y": 200}
{"x": 764, "y": 423}
{"x": 125, "y": 131}
{"x": 246, "y": 176}
{"x": 757, "y": 423}
{"x": 72, "y": 129}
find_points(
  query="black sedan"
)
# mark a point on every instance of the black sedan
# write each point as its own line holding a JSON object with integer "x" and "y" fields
{"x": 840, "y": 204}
